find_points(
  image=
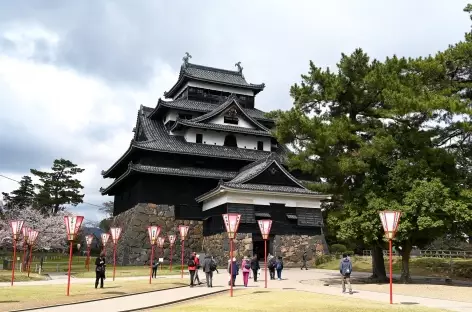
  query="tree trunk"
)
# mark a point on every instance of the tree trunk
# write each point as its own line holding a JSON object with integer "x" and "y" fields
{"x": 378, "y": 264}
{"x": 406, "y": 251}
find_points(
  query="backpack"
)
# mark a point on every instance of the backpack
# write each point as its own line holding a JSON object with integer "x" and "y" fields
{"x": 191, "y": 262}
{"x": 247, "y": 266}
{"x": 212, "y": 266}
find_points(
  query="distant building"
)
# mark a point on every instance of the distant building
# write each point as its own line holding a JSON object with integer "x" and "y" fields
{"x": 206, "y": 150}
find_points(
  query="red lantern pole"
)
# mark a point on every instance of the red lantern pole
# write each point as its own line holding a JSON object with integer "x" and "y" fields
{"x": 16, "y": 227}
{"x": 265, "y": 226}
{"x": 390, "y": 222}
{"x": 73, "y": 224}
{"x": 231, "y": 221}
{"x": 25, "y": 231}
{"x": 172, "y": 238}
{"x": 153, "y": 232}
{"x": 105, "y": 237}
{"x": 88, "y": 240}
{"x": 115, "y": 236}
{"x": 183, "y": 230}
{"x": 31, "y": 240}
{"x": 160, "y": 243}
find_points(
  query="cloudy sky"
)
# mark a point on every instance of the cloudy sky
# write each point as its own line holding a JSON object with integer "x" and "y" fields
{"x": 73, "y": 73}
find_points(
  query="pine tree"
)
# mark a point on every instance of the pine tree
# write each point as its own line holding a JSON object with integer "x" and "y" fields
{"x": 58, "y": 188}
{"x": 23, "y": 196}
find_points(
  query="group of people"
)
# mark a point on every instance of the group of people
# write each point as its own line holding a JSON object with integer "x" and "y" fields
{"x": 248, "y": 266}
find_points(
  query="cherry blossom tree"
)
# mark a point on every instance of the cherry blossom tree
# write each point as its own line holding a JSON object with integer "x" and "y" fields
{"x": 52, "y": 231}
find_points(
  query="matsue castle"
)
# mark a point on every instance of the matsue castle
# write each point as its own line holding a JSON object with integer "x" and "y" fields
{"x": 203, "y": 151}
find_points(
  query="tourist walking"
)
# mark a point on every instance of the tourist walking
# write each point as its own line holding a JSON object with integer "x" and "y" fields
{"x": 304, "y": 258}
{"x": 197, "y": 267}
{"x": 255, "y": 267}
{"x": 233, "y": 270}
{"x": 100, "y": 270}
{"x": 191, "y": 269}
{"x": 279, "y": 266}
{"x": 154, "y": 268}
{"x": 246, "y": 265}
{"x": 208, "y": 266}
{"x": 271, "y": 266}
{"x": 345, "y": 268}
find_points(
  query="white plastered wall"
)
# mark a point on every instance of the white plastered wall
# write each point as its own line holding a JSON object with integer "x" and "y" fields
{"x": 262, "y": 199}
{"x": 218, "y": 138}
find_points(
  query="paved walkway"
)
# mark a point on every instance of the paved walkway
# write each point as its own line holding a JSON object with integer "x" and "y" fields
{"x": 292, "y": 280}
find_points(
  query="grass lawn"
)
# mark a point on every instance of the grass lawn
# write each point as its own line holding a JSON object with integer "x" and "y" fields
{"x": 276, "y": 300}
{"x": 126, "y": 271}
{"x": 23, "y": 297}
{"x": 5, "y": 276}
{"x": 432, "y": 267}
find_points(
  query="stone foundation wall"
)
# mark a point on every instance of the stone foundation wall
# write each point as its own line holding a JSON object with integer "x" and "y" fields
{"x": 290, "y": 247}
{"x": 218, "y": 246}
{"x": 134, "y": 247}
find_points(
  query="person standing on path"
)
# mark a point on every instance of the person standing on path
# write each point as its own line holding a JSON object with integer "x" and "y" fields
{"x": 246, "y": 265}
{"x": 304, "y": 258}
{"x": 279, "y": 266}
{"x": 191, "y": 269}
{"x": 345, "y": 268}
{"x": 255, "y": 267}
{"x": 208, "y": 266}
{"x": 271, "y": 266}
{"x": 154, "y": 268}
{"x": 100, "y": 270}
{"x": 234, "y": 269}
{"x": 197, "y": 267}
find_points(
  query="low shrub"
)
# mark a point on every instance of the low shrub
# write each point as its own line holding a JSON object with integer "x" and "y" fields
{"x": 338, "y": 248}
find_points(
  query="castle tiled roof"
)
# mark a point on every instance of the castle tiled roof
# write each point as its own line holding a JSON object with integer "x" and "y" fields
{"x": 158, "y": 139}
{"x": 219, "y": 127}
{"x": 181, "y": 171}
{"x": 202, "y": 107}
{"x": 190, "y": 71}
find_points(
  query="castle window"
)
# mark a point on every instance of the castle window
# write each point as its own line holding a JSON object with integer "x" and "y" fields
{"x": 231, "y": 120}
{"x": 199, "y": 138}
{"x": 230, "y": 140}
{"x": 260, "y": 145}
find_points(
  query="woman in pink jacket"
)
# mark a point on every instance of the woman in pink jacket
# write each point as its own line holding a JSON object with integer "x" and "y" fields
{"x": 246, "y": 265}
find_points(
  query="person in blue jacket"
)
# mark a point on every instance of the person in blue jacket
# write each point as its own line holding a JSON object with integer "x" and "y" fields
{"x": 345, "y": 268}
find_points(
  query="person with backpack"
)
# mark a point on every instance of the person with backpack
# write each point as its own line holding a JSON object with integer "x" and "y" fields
{"x": 191, "y": 269}
{"x": 345, "y": 268}
{"x": 279, "y": 266}
{"x": 216, "y": 265}
{"x": 271, "y": 266}
{"x": 208, "y": 266}
{"x": 100, "y": 270}
{"x": 154, "y": 268}
{"x": 246, "y": 264}
{"x": 255, "y": 267}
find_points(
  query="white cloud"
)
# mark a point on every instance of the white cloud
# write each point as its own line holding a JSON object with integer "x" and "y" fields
{"x": 67, "y": 111}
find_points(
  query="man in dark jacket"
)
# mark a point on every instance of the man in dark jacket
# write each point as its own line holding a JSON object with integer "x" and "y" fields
{"x": 208, "y": 266}
{"x": 100, "y": 270}
{"x": 271, "y": 267}
{"x": 345, "y": 268}
{"x": 154, "y": 268}
{"x": 255, "y": 267}
{"x": 304, "y": 258}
